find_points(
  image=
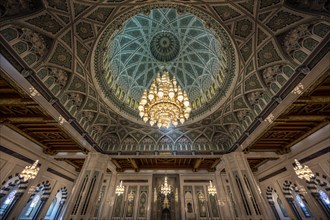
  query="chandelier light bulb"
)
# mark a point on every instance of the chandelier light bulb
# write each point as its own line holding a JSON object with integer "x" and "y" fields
{"x": 151, "y": 95}
{"x": 167, "y": 103}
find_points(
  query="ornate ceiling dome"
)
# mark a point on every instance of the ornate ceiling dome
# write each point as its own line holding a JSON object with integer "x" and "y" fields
{"x": 128, "y": 58}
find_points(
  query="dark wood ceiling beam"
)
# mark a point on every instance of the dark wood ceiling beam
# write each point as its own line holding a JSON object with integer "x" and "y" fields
{"x": 43, "y": 129}
{"x": 28, "y": 119}
{"x": 302, "y": 118}
{"x": 65, "y": 148}
{"x": 272, "y": 141}
{"x": 197, "y": 164}
{"x": 134, "y": 165}
{"x": 314, "y": 99}
{"x": 215, "y": 163}
{"x": 296, "y": 123}
{"x": 7, "y": 90}
{"x": 61, "y": 145}
{"x": 118, "y": 167}
{"x": 17, "y": 102}
{"x": 165, "y": 167}
{"x": 57, "y": 140}
{"x": 43, "y": 132}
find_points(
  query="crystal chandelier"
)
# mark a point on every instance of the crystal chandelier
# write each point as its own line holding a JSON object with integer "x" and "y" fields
{"x": 30, "y": 172}
{"x": 303, "y": 171}
{"x": 120, "y": 189}
{"x": 166, "y": 102}
{"x": 165, "y": 188}
{"x": 211, "y": 189}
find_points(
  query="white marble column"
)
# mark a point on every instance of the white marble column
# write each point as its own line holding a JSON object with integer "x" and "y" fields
{"x": 224, "y": 202}
{"x": 109, "y": 197}
{"x": 81, "y": 204}
{"x": 244, "y": 185}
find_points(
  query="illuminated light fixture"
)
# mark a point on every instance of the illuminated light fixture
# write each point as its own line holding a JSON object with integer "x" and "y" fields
{"x": 303, "y": 171}
{"x": 33, "y": 92}
{"x": 165, "y": 104}
{"x": 120, "y": 189}
{"x": 201, "y": 197}
{"x": 165, "y": 188}
{"x": 270, "y": 118}
{"x": 298, "y": 89}
{"x": 211, "y": 189}
{"x": 30, "y": 172}
{"x": 130, "y": 196}
{"x": 61, "y": 120}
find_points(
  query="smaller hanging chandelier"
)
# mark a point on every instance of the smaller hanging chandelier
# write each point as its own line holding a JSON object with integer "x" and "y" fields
{"x": 120, "y": 189}
{"x": 30, "y": 172}
{"x": 166, "y": 102}
{"x": 201, "y": 197}
{"x": 130, "y": 196}
{"x": 211, "y": 189}
{"x": 303, "y": 171}
{"x": 165, "y": 188}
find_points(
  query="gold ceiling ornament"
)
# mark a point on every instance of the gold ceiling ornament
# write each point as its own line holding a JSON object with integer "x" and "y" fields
{"x": 30, "y": 172}
{"x": 120, "y": 189}
{"x": 211, "y": 189}
{"x": 165, "y": 188}
{"x": 303, "y": 171}
{"x": 166, "y": 103}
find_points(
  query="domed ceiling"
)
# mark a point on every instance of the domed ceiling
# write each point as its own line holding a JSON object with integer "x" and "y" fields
{"x": 200, "y": 58}
{"x": 91, "y": 59}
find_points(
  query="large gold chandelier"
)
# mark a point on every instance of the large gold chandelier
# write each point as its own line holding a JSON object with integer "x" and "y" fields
{"x": 166, "y": 102}
{"x": 303, "y": 171}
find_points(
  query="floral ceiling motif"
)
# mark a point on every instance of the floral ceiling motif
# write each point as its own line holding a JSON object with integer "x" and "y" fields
{"x": 56, "y": 41}
{"x": 202, "y": 59}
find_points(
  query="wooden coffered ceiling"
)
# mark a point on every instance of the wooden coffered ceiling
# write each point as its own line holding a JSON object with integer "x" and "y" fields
{"x": 309, "y": 113}
{"x": 22, "y": 114}
{"x": 194, "y": 164}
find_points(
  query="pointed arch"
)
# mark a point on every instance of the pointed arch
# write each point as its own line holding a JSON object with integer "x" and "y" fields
{"x": 276, "y": 204}
{"x": 319, "y": 187}
{"x": 14, "y": 188}
{"x": 296, "y": 200}
{"x": 36, "y": 201}
{"x": 57, "y": 204}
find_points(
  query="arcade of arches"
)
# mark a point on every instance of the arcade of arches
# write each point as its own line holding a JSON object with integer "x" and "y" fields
{"x": 257, "y": 75}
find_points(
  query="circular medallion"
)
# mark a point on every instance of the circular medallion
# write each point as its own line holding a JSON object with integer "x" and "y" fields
{"x": 164, "y": 46}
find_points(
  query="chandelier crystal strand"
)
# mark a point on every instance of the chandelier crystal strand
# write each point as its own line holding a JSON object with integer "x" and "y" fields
{"x": 165, "y": 188}
{"x": 120, "y": 189}
{"x": 166, "y": 103}
{"x": 211, "y": 189}
{"x": 30, "y": 172}
{"x": 303, "y": 171}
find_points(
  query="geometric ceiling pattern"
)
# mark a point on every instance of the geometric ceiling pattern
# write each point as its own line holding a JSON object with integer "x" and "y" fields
{"x": 52, "y": 43}
{"x": 201, "y": 59}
